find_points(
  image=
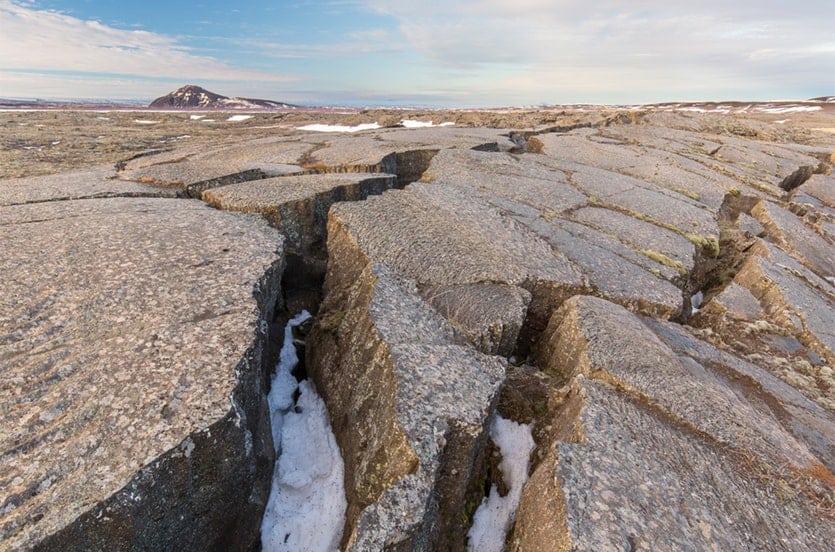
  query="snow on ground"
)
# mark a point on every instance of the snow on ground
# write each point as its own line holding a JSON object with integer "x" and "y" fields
{"x": 196, "y": 117}
{"x": 408, "y": 123}
{"x": 306, "y": 508}
{"x": 792, "y": 109}
{"x": 494, "y": 517}
{"x": 144, "y": 122}
{"x": 339, "y": 128}
{"x": 236, "y": 118}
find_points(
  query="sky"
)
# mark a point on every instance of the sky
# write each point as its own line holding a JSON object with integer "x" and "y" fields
{"x": 444, "y": 53}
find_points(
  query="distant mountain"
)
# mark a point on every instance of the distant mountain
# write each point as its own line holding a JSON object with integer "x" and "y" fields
{"x": 195, "y": 97}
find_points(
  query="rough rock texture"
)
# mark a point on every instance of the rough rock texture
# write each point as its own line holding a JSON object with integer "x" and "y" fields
{"x": 196, "y": 171}
{"x": 646, "y": 428}
{"x": 132, "y": 340}
{"x": 409, "y": 407}
{"x": 98, "y": 182}
{"x": 298, "y": 205}
{"x": 660, "y": 284}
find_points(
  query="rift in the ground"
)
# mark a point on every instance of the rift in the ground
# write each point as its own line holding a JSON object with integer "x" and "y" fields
{"x": 564, "y": 330}
{"x": 306, "y": 509}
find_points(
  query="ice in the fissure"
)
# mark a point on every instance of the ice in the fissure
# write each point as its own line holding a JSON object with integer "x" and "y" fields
{"x": 306, "y": 508}
{"x": 494, "y": 517}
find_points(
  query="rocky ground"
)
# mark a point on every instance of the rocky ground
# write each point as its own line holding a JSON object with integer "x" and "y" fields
{"x": 651, "y": 289}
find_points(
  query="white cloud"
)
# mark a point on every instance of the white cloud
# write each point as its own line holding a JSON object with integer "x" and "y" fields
{"x": 642, "y": 50}
{"x": 40, "y": 41}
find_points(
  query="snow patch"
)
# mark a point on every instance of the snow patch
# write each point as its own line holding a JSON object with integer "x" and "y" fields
{"x": 495, "y": 515}
{"x": 306, "y": 508}
{"x": 196, "y": 117}
{"x": 409, "y": 123}
{"x": 696, "y": 301}
{"x": 236, "y": 118}
{"x": 144, "y": 122}
{"x": 339, "y": 128}
{"x": 792, "y": 109}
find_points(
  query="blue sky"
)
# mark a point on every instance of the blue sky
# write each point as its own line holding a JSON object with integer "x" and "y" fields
{"x": 453, "y": 53}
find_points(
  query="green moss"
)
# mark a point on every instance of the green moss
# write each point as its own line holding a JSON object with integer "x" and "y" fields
{"x": 688, "y": 193}
{"x": 708, "y": 244}
{"x": 664, "y": 260}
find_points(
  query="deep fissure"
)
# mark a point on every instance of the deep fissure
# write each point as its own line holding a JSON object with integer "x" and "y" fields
{"x": 305, "y": 267}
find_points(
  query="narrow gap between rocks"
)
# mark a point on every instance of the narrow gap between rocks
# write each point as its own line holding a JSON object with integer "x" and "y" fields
{"x": 307, "y": 504}
{"x": 713, "y": 273}
{"x": 306, "y": 507}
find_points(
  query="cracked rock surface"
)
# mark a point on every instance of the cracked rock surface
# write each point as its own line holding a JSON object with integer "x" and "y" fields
{"x": 131, "y": 362}
{"x": 653, "y": 292}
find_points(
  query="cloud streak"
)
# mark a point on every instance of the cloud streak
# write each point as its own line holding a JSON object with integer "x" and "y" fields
{"x": 41, "y": 41}
{"x": 646, "y": 50}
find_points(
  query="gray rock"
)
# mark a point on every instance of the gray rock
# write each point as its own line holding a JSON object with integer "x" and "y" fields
{"x": 625, "y": 478}
{"x": 133, "y": 347}
{"x": 789, "y": 232}
{"x": 589, "y": 335}
{"x": 501, "y": 179}
{"x": 92, "y": 183}
{"x": 641, "y": 236}
{"x": 409, "y": 407}
{"x": 298, "y": 205}
{"x": 614, "y": 271}
{"x": 792, "y": 296}
{"x": 647, "y": 428}
{"x": 489, "y": 316}
{"x": 822, "y": 188}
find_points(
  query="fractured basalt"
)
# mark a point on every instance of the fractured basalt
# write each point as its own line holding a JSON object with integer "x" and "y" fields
{"x": 409, "y": 407}
{"x": 569, "y": 250}
{"x": 133, "y": 343}
{"x": 646, "y": 428}
{"x": 298, "y": 205}
{"x": 98, "y": 182}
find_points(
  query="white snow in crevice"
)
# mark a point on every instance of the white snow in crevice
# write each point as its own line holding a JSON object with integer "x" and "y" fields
{"x": 696, "y": 301}
{"x": 196, "y": 117}
{"x": 144, "y": 122}
{"x": 408, "y": 123}
{"x": 495, "y": 515}
{"x": 339, "y": 128}
{"x": 237, "y": 118}
{"x": 306, "y": 508}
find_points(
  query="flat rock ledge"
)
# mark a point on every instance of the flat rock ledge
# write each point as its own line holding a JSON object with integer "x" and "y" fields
{"x": 133, "y": 339}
